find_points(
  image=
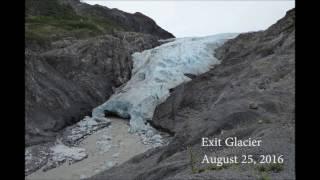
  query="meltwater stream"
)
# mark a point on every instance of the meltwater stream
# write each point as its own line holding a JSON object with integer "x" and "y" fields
{"x": 98, "y": 143}
{"x": 104, "y": 149}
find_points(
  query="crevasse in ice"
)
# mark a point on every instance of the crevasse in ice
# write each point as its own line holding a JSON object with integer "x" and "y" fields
{"x": 157, "y": 70}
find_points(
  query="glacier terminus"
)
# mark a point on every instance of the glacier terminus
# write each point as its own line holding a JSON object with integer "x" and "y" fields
{"x": 155, "y": 72}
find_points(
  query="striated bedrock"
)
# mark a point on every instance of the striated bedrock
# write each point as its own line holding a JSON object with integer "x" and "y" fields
{"x": 155, "y": 72}
{"x": 251, "y": 94}
{"x": 64, "y": 84}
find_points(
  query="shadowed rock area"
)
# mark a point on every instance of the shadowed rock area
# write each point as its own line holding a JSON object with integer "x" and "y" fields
{"x": 251, "y": 94}
{"x": 75, "y": 56}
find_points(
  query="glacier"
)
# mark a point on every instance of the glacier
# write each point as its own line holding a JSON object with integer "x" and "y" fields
{"x": 155, "y": 72}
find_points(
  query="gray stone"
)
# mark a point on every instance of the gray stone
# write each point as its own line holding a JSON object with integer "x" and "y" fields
{"x": 253, "y": 106}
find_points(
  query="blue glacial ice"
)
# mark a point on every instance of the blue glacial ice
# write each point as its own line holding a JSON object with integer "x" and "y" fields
{"x": 157, "y": 70}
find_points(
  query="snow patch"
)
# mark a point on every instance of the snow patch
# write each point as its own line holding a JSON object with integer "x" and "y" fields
{"x": 74, "y": 134}
{"x": 61, "y": 153}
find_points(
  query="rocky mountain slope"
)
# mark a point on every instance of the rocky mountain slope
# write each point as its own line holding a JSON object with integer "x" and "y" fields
{"x": 50, "y": 20}
{"x": 251, "y": 94}
{"x": 76, "y": 55}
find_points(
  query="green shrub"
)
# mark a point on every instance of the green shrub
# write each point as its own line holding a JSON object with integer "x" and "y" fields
{"x": 264, "y": 176}
{"x": 47, "y": 20}
{"x": 274, "y": 167}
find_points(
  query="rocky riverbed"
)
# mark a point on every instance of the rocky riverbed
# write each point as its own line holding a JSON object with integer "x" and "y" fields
{"x": 98, "y": 151}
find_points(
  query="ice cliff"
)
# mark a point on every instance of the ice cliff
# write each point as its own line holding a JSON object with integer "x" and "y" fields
{"x": 155, "y": 72}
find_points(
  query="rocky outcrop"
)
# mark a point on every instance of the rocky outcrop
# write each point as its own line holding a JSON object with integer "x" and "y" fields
{"x": 76, "y": 55}
{"x": 251, "y": 94}
{"x": 64, "y": 84}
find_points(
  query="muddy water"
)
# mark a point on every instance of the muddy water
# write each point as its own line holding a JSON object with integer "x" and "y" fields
{"x": 106, "y": 148}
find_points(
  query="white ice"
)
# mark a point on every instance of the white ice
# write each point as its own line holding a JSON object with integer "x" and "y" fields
{"x": 61, "y": 152}
{"x": 157, "y": 70}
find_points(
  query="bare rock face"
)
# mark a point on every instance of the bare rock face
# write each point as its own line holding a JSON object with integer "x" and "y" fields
{"x": 76, "y": 55}
{"x": 63, "y": 84}
{"x": 251, "y": 94}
